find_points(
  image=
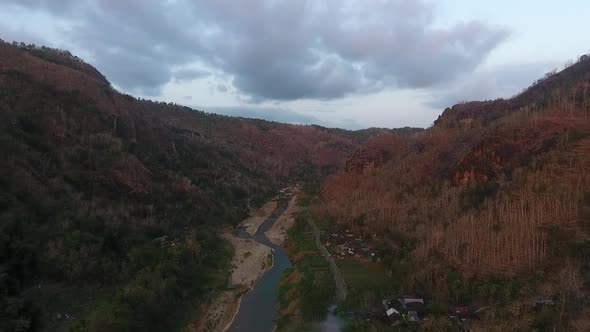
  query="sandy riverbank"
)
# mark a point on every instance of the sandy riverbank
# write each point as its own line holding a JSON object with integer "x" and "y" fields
{"x": 252, "y": 223}
{"x": 250, "y": 262}
{"x": 277, "y": 234}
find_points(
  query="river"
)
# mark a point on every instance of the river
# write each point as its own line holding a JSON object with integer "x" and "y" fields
{"x": 259, "y": 307}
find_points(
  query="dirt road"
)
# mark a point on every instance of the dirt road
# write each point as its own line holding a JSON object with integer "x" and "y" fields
{"x": 338, "y": 279}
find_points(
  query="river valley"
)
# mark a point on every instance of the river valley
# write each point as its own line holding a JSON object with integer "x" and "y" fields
{"x": 259, "y": 306}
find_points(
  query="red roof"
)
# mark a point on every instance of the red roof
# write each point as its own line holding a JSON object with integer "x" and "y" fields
{"x": 460, "y": 311}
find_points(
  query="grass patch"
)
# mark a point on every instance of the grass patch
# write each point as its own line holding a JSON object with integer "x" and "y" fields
{"x": 367, "y": 283}
{"x": 305, "y": 291}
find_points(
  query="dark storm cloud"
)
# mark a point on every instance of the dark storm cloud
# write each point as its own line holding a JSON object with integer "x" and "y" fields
{"x": 136, "y": 43}
{"x": 294, "y": 49}
{"x": 279, "y": 49}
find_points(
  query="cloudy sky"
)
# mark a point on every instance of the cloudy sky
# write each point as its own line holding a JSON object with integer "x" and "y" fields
{"x": 344, "y": 63}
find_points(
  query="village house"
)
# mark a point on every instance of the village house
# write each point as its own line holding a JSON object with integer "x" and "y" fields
{"x": 460, "y": 313}
{"x": 407, "y": 308}
{"x": 392, "y": 311}
{"x": 344, "y": 243}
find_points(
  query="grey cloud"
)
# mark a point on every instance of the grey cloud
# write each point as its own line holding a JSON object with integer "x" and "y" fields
{"x": 20, "y": 35}
{"x": 135, "y": 43}
{"x": 283, "y": 115}
{"x": 406, "y": 51}
{"x": 327, "y": 79}
{"x": 221, "y": 88}
{"x": 267, "y": 113}
{"x": 334, "y": 49}
{"x": 57, "y": 7}
{"x": 345, "y": 123}
{"x": 497, "y": 82}
{"x": 279, "y": 49}
{"x": 143, "y": 75}
{"x": 189, "y": 74}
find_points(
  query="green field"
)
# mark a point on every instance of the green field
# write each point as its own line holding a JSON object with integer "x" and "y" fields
{"x": 367, "y": 283}
{"x": 306, "y": 301}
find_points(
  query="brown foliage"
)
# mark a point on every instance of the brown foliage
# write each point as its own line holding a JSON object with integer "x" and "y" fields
{"x": 273, "y": 148}
{"x": 484, "y": 199}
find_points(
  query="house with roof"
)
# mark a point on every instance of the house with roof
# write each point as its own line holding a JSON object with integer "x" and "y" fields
{"x": 460, "y": 314}
{"x": 406, "y": 308}
{"x": 393, "y": 310}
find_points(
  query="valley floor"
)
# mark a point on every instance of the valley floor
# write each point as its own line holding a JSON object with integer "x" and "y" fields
{"x": 277, "y": 234}
{"x": 251, "y": 260}
{"x": 252, "y": 223}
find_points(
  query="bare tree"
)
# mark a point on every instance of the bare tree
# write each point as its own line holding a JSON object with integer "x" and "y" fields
{"x": 585, "y": 99}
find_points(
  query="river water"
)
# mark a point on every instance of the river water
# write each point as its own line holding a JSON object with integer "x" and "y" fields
{"x": 259, "y": 307}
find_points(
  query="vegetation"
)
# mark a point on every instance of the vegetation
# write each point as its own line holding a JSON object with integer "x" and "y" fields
{"x": 110, "y": 205}
{"x": 367, "y": 284}
{"x": 97, "y": 211}
{"x": 159, "y": 287}
{"x": 495, "y": 193}
{"x": 307, "y": 290}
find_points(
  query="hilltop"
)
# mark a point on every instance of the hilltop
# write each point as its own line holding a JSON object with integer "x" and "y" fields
{"x": 111, "y": 204}
{"x": 496, "y": 195}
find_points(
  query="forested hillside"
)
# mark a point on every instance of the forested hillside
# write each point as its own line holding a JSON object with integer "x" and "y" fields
{"x": 110, "y": 204}
{"x": 495, "y": 194}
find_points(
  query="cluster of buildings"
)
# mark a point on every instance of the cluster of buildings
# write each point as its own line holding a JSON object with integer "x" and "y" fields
{"x": 408, "y": 309}
{"x": 286, "y": 192}
{"x": 344, "y": 243}
{"x": 413, "y": 309}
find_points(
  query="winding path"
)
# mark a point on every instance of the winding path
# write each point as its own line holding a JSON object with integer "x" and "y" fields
{"x": 338, "y": 279}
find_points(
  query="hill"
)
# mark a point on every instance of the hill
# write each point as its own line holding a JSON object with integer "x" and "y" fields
{"x": 495, "y": 194}
{"x": 110, "y": 204}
